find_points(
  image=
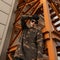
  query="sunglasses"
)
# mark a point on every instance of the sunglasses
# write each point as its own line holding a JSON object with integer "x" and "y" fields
{"x": 33, "y": 21}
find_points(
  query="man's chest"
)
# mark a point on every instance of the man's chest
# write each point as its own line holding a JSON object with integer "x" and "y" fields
{"x": 29, "y": 33}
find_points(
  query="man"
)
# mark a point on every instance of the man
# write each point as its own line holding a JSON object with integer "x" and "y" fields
{"x": 31, "y": 41}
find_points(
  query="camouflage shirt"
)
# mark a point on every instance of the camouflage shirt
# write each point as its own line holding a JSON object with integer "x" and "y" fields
{"x": 30, "y": 45}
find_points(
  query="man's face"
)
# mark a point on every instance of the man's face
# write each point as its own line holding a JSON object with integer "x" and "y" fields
{"x": 32, "y": 23}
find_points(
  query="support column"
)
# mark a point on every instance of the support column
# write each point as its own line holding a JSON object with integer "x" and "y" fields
{"x": 48, "y": 27}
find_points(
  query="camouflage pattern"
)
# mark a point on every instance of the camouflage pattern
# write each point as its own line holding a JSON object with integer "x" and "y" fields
{"x": 30, "y": 45}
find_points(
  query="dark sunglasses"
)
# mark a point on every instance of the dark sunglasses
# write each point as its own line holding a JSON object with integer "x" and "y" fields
{"x": 33, "y": 21}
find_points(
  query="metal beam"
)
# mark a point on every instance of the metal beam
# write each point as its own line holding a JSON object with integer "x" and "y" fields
{"x": 48, "y": 26}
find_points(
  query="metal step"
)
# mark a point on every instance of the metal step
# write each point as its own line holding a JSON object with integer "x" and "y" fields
{"x": 57, "y": 25}
{"x": 54, "y": 21}
{"x": 51, "y": 10}
{"x": 53, "y": 15}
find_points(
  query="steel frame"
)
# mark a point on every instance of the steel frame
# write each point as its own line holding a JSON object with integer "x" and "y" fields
{"x": 50, "y": 34}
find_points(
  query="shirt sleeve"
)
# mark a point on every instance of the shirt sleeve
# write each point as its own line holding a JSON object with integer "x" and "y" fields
{"x": 40, "y": 44}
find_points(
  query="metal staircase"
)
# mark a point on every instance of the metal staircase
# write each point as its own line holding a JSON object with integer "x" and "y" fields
{"x": 50, "y": 31}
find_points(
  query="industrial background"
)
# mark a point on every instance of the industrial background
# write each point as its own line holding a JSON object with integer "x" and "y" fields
{"x": 10, "y": 28}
